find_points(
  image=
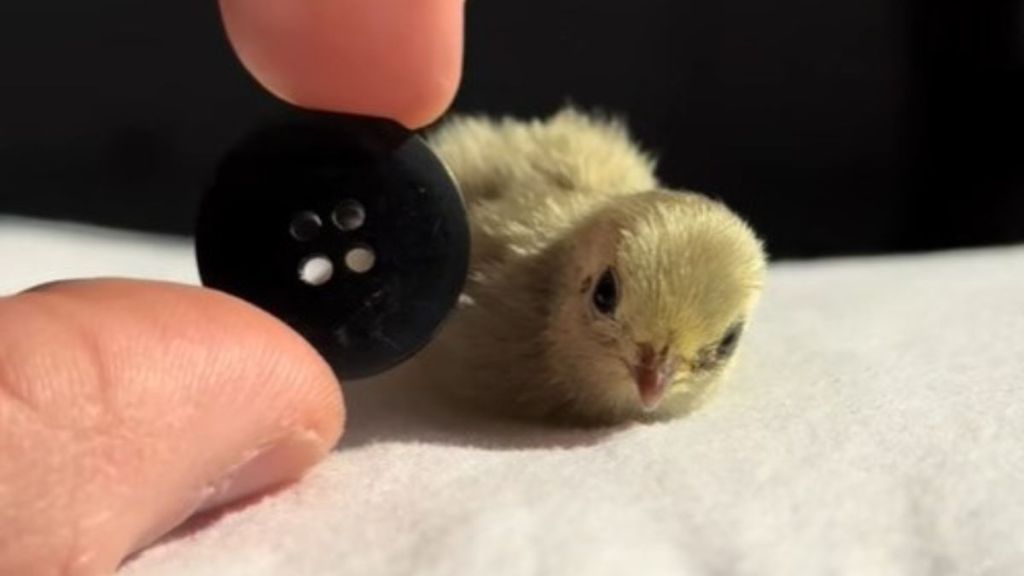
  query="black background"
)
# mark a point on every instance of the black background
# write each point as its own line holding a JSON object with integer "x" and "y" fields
{"x": 836, "y": 127}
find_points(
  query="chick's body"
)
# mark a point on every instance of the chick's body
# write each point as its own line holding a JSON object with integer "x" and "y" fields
{"x": 594, "y": 295}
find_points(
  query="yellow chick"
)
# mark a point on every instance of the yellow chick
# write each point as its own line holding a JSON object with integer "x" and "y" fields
{"x": 595, "y": 295}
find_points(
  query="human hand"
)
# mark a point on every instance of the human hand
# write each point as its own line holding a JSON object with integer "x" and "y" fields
{"x": 126, "y": 406}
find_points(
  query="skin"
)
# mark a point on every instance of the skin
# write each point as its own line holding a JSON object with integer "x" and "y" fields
{"x": 399, "y": 59}
{"x": 113, "y": 393}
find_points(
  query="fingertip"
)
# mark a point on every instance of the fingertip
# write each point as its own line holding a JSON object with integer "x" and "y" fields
{"x": 399, "y": 59}
{"x": 150, "y": 402}
{"x": 165, "y": 331}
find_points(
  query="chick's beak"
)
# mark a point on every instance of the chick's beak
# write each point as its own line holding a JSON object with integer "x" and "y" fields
{"x": 653, "y": 374}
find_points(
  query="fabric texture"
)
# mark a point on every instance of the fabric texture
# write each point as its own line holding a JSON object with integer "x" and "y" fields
{"x": 874, "y": 425}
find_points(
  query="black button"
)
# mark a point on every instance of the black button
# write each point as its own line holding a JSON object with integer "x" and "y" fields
{"x": 347, "y": 228}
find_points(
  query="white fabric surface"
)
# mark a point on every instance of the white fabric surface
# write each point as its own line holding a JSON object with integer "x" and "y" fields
{"x": 875, "y": 425}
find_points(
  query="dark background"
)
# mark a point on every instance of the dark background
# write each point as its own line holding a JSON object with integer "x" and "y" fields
{"x": 836, "y": 127}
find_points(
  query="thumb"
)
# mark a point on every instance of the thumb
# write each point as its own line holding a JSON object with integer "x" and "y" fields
{"x": 125, "y": 407}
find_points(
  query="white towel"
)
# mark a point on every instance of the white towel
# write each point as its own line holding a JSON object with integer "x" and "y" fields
{"x": 875, "y": 425}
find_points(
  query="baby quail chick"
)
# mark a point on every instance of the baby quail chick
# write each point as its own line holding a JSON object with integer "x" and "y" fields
{"x": 594, "y": 295}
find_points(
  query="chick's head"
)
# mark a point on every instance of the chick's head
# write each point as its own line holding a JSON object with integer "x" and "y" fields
{"x": 655, "y": 293}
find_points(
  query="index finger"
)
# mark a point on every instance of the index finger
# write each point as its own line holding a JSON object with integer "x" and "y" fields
{"x": 398, "y": 59}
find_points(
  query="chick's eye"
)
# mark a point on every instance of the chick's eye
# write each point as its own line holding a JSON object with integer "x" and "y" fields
{"x": 606, "y": 293}
{"x": 728, "y": 343}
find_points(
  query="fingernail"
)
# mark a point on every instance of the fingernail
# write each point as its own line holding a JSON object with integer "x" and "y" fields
{"x": 264, "y": 469}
